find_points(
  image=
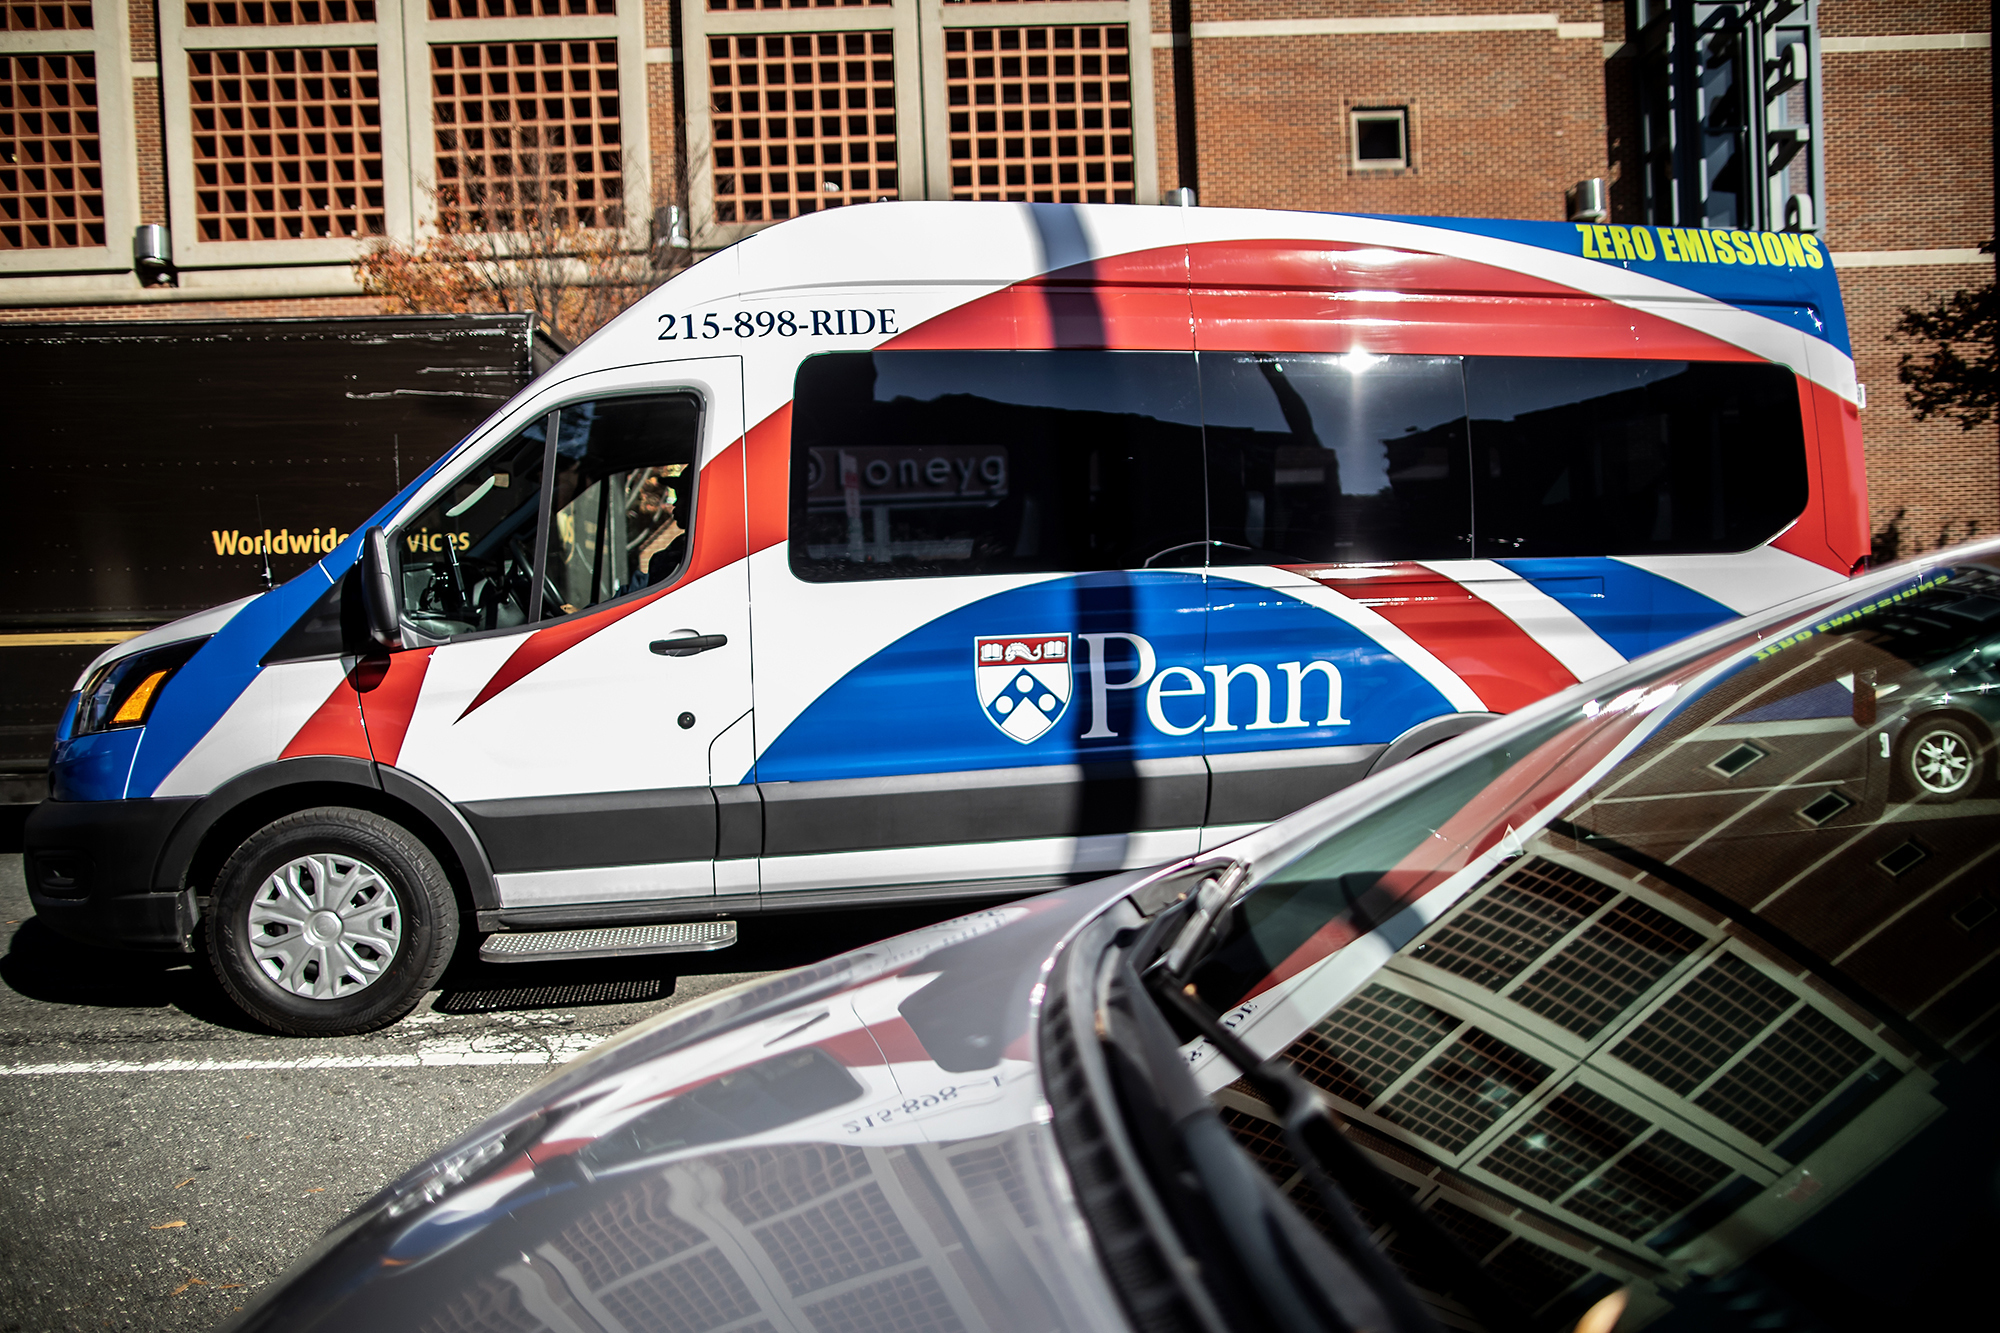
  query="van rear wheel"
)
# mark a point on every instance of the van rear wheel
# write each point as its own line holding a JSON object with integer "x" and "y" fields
{"x": 330, "y": 922}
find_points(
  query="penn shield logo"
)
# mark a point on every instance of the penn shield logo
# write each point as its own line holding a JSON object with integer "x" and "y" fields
{"x": 1023, "y": 681}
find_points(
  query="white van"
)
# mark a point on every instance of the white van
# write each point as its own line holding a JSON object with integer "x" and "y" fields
{"x": 934, "y": 550}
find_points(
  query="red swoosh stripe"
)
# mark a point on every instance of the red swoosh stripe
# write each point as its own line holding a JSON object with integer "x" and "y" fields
{"x": 1498, "y": 659}
{"x": 1318, "y": 296}
{"x": 389, "y": 699}
{"x": 334, "y": 728}
{"x": 768, "y": 456}
{"x": 1039, "y": 316}
{"x": 719, "y": 540}
{"x": 1835, "y": 531}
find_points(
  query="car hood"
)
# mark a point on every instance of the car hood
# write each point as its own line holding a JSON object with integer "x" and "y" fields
{"x": 861, "y": 1144}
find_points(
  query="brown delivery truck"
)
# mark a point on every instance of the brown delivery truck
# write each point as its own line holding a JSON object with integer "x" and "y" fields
{"x": 156, "y": 468}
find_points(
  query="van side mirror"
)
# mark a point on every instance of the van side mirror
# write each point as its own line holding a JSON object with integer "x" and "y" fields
{"x": 379, "y": 592}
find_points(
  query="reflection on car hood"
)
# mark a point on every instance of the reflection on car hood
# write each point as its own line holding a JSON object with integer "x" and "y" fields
{"x": 859, "y": 1144}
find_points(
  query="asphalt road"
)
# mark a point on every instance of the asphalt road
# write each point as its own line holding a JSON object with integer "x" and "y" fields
{"x": 161, "y": 1158}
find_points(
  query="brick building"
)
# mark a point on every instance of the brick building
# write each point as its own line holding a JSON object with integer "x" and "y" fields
{"x": 272, "y": 138}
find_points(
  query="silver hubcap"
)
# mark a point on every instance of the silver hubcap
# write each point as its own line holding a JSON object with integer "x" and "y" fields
{"x": 1942, "y": 762}
{"x": 325, "y": 926}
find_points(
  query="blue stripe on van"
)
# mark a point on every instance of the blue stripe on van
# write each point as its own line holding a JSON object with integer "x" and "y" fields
{"x": 343, "y": 557}
{"x": 1807, "y": 299}
{"x": 1631, "y": 609}
{"x": 93, "y": 768}
{"x": 914, "y": 706}
{"x": 214, "y": 678}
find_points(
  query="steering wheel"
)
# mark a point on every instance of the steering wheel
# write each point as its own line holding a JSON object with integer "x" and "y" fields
{"x": 551, "y": 595}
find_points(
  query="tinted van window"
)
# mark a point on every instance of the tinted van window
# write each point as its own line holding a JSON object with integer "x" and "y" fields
{"x": 1583, "y": 457}
{"x": 1336, "y": 458}
{"x": 920, "y": 464}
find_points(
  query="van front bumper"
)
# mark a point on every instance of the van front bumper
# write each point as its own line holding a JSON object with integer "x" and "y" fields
{"x": 93, "y": 867}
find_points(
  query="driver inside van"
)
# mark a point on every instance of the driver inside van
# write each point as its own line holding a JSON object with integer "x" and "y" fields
{"x": 646, "y": 524}
{"x": 659, "y": 554}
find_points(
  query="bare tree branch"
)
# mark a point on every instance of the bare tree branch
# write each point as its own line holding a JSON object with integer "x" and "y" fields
{"x": 516, "y": 233}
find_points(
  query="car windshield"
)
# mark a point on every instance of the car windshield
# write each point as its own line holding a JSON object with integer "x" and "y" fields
{"x": 1685, "y": 991}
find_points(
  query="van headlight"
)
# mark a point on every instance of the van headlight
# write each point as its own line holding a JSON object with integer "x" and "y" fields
{"x": 122, "y": 694}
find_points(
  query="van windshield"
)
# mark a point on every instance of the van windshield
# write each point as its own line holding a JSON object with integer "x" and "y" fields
{"x": 468, "y": 560}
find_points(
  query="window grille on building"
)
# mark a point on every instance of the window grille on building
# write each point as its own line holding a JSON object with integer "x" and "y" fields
{"x": 763, "y": 1182}
{"x": 987, "y": 1173}
{"x": 1635, "y": 1195}
{"x": 1263, "y": 1140}
{"x": 1361, "y": 1048}
{"x": 51, "y": 178}
{"x": 520, "y": 9}
{"x": 287, "y": 143}
{"x": 1570, "y": 1152}
{"x": 802, "y": 122}
{"x": 1563, "y": 1142}
{"x": 1498, "y": 937}
{"x": 1718, "y": 1012}
{"x": 278, "y": 13}
{"x": 1459, "y": 1094}
{"x": 703, "y": 1290}
{"x": 1534, "y": 1274}
{"x": 793, "y": 4}
{"x": 48, "y": 18}
{"x": 485, "y": 1302}
{"x": 632, "y": 1230}
{"x": 1784, "y": 1075}
{"x": 1476, "y": 1235}
{"x": 528, "y": 134}
{"x": 1042, "y": 114}
{"x": 1598, "y": 975}
{"x": 910, "y": 1299}
{"x": 852, "y": 1233}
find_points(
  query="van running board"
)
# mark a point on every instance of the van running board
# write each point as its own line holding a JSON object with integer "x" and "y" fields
{"x": 543, "y": 946}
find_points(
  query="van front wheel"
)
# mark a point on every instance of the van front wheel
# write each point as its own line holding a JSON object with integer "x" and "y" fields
{"x": 330, "y": 922}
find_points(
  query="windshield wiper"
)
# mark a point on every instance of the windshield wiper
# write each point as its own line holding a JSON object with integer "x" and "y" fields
{"x": 1197, "y": 933}
{"x": 1252, "y": 1258}
{"x": 1330, "y": 1162}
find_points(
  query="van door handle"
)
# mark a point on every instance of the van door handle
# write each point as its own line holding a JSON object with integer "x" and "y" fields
{"x": 688, "y": 645}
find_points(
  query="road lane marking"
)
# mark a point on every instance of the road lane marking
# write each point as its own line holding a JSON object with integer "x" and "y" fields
{"x": 428, "y": 1055}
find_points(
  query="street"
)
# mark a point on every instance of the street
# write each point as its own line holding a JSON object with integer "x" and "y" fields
{"x": 163, "y": 1159}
